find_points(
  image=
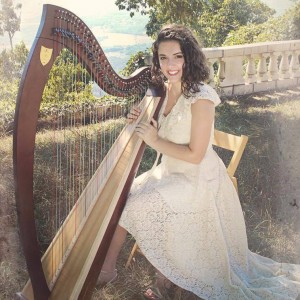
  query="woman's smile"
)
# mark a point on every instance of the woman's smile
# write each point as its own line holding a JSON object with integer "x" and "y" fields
{"x": 172, "y": 73}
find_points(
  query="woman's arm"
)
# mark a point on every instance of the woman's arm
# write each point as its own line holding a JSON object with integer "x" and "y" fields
{"x": 203, "y": 113}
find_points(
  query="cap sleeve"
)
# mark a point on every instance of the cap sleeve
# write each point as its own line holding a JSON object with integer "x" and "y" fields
{"x": 208, "y": 93}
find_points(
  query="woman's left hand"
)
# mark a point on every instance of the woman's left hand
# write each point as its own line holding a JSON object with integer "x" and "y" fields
{"x": 148, "y": 132}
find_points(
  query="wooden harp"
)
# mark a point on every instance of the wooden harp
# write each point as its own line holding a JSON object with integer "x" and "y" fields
{"x": 91, "y": 201}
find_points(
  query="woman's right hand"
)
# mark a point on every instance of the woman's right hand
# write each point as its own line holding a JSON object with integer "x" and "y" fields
{"x": 133, "y": 115}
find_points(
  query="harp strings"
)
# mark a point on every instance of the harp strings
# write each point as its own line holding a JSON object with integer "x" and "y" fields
{"x": 84, "y": 130}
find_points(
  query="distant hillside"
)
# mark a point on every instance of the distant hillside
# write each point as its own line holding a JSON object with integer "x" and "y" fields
{"x": 121, "y": 22}
{"x": 120, "y": 36}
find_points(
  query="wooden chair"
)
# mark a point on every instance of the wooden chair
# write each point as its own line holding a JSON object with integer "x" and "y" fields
{"x": 223, "y": 140}
{"x": 233, "y": 143}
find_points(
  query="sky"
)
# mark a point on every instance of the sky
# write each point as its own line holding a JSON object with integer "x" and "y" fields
{"x": 86, "y": 10}
{"x": 32, "y": 9}
{"x": 279, "y": 5}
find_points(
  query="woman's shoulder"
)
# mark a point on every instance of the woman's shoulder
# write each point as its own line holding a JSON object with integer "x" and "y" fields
{"x": 206, "y": 92}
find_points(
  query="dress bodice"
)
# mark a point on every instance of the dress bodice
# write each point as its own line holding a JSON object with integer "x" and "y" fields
{"x": 176, "y": 127}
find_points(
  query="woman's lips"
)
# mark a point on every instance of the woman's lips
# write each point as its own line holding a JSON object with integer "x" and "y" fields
{"x": 172, "y": 73}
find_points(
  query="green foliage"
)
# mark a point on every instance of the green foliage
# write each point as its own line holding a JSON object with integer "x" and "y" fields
{"x": 12, "y": 62}
{"x": 285, "y": 27}
{"x": 244, "y": 35}
{"x": 135, "y": 62}
{"x": 69, "y": 89}
{"x": 221, "y": 17}
{"x": 155, "y": 23}
{"x": 164, "y": 11}
{"x": 8, "y": 90}
{"x": 11, "y": 65}
{"x": 211, "y": 19}
{"x": 9, "y": 20}
{"x": 8, "y": 94}
{"x": 68, "y": 84}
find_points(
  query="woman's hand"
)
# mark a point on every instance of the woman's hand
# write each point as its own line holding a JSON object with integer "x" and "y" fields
{"x": 133, "y": 115}
{"x": 148, "y": 132}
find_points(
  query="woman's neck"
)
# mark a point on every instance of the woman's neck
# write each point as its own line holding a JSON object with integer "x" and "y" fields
{"x": 174, "y": 89}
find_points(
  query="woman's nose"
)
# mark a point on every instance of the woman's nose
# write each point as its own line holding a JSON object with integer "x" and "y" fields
{"x": 171, "y": 62}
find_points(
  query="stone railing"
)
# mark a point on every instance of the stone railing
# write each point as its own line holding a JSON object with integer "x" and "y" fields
{"x": 245, "y": 69}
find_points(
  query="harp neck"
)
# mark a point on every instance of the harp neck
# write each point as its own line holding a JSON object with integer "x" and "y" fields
{"x": 67, "y": 30}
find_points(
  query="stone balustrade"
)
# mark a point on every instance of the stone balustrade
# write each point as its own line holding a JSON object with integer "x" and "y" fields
{"x": 245, "y": 69}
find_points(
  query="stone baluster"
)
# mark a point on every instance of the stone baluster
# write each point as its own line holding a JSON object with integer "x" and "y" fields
{"x": 221, "y": 70}
{"x": 262, "y": 74}
{"x": 250, "y": 76}
{"x": 244, "y": 69}
{"x": 284, "y": 66}
{"x": 210, "y": 63}
{"x": 294, "y": 65}
{"x": 232, "y": 70}
{"x": 273, "y": 66}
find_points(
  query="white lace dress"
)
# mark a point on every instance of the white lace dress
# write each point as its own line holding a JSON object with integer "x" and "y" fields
{"x": 188, "y": 222}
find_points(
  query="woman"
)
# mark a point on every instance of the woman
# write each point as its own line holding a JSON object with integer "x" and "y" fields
{"x": 185, "y": 213}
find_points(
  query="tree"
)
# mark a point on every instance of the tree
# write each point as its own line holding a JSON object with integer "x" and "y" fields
{"x": 164, "y": 11}
{"x": 212, "y": 20}
{"x": 69, "y": 84}
{"x": 9, "y": 20}
{"x": 221, "y": 17}
{"x": 11, "y": 65}
{"x": 285, "y": 27}
{"x": 12, "y": 62}
{"x": 135, "y": 62}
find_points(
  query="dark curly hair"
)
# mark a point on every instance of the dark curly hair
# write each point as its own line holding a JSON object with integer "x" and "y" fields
{"x": 195, "y": 69}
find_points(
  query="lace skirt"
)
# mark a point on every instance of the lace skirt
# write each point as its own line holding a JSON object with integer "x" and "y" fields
{"x": 202, "y": 247}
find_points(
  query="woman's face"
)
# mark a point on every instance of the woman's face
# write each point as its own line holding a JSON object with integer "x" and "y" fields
{"x": 171, "y": 60}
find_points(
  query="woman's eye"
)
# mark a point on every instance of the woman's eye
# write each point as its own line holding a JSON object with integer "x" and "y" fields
{"x": 179, "y": 56}
{"x": 162, "y": 58}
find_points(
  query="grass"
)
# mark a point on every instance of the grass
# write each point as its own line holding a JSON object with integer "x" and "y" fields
{"x": 12, "y": 265}
{"x": 257, "y": 116}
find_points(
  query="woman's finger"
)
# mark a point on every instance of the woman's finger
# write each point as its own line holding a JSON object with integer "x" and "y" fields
{"x": 133, "y": 114}
{"x": 154, "y": 123}
{"x": 143, "y": 126}
{"x": 135, "y": 111}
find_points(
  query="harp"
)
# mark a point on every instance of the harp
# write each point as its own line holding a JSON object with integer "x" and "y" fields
{"x": 86, "y": 189}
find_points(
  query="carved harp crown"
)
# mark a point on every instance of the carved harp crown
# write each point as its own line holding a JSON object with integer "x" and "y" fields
{"x": 71, "y": 183}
